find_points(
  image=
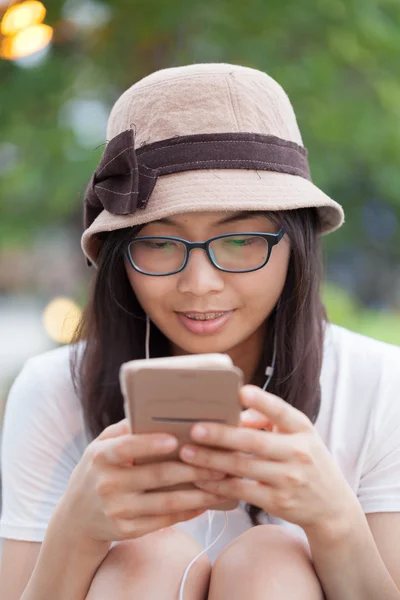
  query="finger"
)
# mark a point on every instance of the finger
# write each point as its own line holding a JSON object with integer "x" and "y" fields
{"x": 114, "y": 430}
{"x": 164, "y": 503}
{"x": 253, "y": 419}
{"x": 142, "y": 525}
{"x": 124, "y": 449}
{"x": 237, "y": 488}
{"x": 287, "y": 417}
{"x": 268, "y": 445}
{"x": 163, "y": 474}
{"x": 239, "y": 464}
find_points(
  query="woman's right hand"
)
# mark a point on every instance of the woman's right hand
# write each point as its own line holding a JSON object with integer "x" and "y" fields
{"x": 105, "y": 498}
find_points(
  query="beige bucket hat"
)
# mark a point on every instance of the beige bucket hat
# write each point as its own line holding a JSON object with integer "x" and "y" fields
{"x": 202, "y": 137}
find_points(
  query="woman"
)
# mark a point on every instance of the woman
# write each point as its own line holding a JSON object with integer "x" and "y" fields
{"x": 209, "y": 154}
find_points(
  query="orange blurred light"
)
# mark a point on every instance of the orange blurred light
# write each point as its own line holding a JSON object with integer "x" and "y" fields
{"x": 21, "y": 16}
{"x": 26, "y": 42}
{"x": 61, "y": 318}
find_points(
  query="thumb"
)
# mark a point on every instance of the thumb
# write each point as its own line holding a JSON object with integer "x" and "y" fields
{"x": 254, "y": 419}
{"x": 115, "y": 430}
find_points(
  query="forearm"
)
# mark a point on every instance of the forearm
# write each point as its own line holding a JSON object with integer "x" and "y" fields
{"x": 348, "y": 563}
{"x": 66, "y": 564}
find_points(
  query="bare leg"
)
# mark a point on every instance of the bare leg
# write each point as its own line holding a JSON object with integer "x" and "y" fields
{"x": 265, "y": 562}
{"x": 152, "y": 567}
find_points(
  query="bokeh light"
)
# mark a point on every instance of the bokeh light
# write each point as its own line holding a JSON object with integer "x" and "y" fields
{"x": 26, "y": 42}
{"x": 21, "y": 16}
{"x": 23, "y": 31}
{"x": 61, "y": 318}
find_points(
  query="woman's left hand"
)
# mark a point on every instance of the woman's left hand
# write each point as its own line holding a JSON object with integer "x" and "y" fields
{"x": 286, "y": 471}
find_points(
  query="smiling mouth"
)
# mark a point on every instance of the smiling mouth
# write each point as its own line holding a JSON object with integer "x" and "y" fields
{"x": 204, "y": 316}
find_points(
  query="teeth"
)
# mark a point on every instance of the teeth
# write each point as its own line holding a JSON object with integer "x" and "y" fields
{"x": 203, "y": 317}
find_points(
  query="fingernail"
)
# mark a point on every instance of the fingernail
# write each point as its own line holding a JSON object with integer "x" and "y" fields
{"x": 250, "y": 416}
{"x": 199, "y": 431}
{"x": 167, "y": 443}
{"x": 188, "y": 452}
{"x": 248, "y": 393}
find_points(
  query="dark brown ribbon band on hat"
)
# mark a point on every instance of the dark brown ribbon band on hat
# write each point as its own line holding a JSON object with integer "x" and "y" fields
{"x": 125, "y": 176}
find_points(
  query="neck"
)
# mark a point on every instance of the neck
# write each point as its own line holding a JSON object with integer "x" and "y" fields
{"x": 246, "y": 355}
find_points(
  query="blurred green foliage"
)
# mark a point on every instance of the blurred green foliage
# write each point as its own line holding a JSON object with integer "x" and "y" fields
{"x": 338, "y": 61}
{"x": 346, "y": 311}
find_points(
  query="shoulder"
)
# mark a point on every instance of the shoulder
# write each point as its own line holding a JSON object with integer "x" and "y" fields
{"x": 50, "y": 372}
{"x": 346, "y": 339}
{"x": 43, "y": 439}
{"x": 359, "y": 355}
{"x": 44, "y": 390}
{"x": 360, "y": 378}
{"x": 53, "y": 364}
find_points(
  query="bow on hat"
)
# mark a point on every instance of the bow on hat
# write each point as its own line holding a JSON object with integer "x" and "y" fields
{"x": 120, "y": 184}
{"x": 123, "y": 182}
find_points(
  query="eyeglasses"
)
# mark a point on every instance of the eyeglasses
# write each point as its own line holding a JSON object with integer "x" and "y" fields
{"x": 231, "y": 252}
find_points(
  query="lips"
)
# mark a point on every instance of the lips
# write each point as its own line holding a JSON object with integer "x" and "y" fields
{"x": 204, "y": 323}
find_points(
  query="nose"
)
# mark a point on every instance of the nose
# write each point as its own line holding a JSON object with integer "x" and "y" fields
{"x": 200, "y": 277}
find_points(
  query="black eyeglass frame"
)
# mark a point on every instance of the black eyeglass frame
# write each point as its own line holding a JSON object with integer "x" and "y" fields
{"x": 272, "y": 238}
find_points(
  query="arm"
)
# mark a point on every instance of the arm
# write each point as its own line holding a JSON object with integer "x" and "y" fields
{"x": 66, "y": 564}
{"x": 349, "y": 564}
{"x": 299, "y": 482}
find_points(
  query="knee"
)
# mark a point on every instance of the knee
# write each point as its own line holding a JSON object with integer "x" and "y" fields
{"x": 266, "y": 561}
{"x": 168, "y": 549}
{"x": 269, "y": 546}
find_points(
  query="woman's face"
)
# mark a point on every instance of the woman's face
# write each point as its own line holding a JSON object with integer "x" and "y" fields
{"x": 246, "y": 299}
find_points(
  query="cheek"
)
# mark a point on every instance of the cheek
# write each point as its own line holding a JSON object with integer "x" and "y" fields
{"x": 262, "y": 288}
{"x": 148, "y": 290}
{"x": 278, "y": 267}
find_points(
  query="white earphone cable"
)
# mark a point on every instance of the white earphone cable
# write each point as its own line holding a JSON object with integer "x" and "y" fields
{"x": 147, "y": 343}
{"x": 268, "y": 372}
{"x": 201, "y": 553}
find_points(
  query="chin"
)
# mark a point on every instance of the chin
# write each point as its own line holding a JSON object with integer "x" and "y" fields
{"x": 210, "y": 345}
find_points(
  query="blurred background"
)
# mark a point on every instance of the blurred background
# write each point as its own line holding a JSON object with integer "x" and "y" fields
{"x": 64, "y": 63}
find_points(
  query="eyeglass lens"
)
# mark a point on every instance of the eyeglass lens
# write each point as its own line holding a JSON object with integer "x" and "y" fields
{"x": 234, "y": 253}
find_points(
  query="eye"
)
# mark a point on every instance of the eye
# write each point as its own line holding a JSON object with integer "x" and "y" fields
{"x": 157, "y": 244}
{"x": 237, "y": 243}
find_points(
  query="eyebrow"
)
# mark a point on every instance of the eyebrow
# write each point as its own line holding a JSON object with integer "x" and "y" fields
{"x": 232, "y": 219}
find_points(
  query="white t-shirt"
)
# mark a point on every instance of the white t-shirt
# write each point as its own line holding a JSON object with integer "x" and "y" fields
{"x": 359, "y": 421}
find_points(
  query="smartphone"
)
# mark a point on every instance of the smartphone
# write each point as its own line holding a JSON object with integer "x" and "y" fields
{"x": 170, "y": 394}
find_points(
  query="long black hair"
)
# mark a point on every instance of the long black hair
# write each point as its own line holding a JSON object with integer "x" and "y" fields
{"x": 113, "y": 328}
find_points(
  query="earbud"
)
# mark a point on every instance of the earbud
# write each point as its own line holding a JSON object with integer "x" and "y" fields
{"x": 269, "y": 371}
